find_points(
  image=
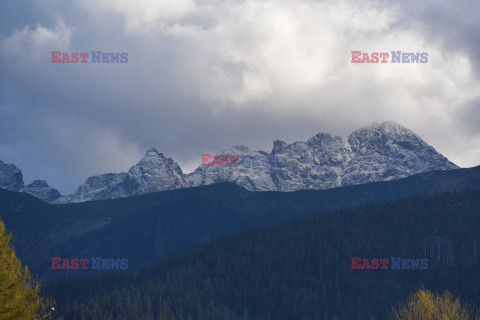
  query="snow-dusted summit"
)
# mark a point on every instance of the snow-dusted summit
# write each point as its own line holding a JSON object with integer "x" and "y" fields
{"x": 378, "y": 152}
{"x": 152, "y": 173}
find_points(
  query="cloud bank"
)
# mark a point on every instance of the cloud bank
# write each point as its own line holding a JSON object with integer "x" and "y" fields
{"x": 205, "y": 75}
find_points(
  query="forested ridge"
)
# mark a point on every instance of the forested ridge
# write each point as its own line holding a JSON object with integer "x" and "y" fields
{"x": 149, "y": 227}
{"x": 301, "y": 269}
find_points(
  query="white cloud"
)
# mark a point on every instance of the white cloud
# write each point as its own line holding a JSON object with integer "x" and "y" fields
{"x": 33, "y": 43}
{"x": 143, "y": 15}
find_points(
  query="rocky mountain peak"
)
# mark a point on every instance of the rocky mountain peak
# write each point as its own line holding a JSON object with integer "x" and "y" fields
{"x": 152, "y": 154}
{"x": 153, "y": 173}
{"x": 38, "y": 184}
{"x": 41, "y": 190}
{"x": 278, "y": 146}
{"x": 152, "y": 163}
{"x": 11, "y": 178}
{"x": 386, "y": 129}
{"x": 323, "y": 139}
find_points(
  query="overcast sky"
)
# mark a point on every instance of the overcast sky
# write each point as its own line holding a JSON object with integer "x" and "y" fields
{"x": 205, "y": 75}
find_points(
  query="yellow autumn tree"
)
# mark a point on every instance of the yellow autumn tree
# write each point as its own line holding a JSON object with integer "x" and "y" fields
{"x": 19, "y": 292}
{"x": 424, "y": 305}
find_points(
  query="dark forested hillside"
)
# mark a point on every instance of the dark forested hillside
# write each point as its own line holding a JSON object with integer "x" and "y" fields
{"x": 145, "y": 228}
{"x": 301, "y": 269}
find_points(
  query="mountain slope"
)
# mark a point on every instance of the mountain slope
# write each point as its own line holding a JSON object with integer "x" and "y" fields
{"x": 147, "y": 227}
{"x": 302, "y": 269}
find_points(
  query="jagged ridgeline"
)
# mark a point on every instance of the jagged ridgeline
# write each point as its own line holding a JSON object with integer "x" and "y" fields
{"x": 379, "y": 152}
{"x": 302, "y": 269}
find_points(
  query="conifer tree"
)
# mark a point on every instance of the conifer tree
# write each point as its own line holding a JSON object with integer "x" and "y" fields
{"x": 19, "y": 292}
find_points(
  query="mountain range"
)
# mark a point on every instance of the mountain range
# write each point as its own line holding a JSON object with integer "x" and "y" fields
{"x": 379, "y": 152}
{"x": 148, "y": 227}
